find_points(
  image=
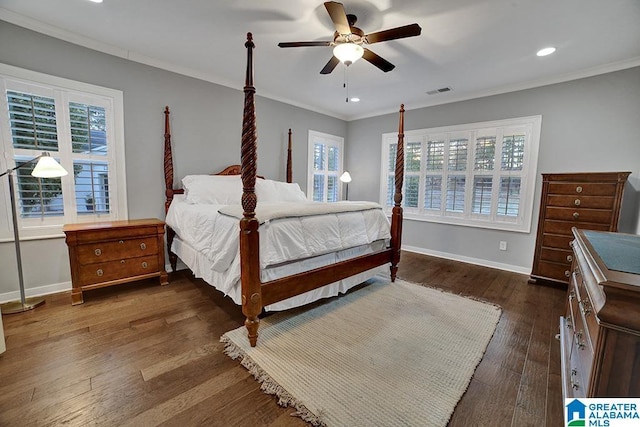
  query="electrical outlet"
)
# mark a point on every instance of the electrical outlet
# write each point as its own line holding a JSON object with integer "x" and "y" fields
{"x": 503, "y": 245}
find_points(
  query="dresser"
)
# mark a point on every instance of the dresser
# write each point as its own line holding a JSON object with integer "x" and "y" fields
{"x": 584, "y": 200}
{"x": 114, "y": 252}
{"x": 600, "y": 332}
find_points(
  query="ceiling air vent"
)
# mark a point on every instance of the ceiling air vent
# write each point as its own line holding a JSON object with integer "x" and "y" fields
{"x": 441, "y": 90}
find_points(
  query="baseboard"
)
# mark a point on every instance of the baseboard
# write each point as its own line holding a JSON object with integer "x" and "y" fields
{"x": 469, "y": 260}
{"x": 66, "y": 286}
{"x": 55, "y": 288}
{"x": 36, "y": 292}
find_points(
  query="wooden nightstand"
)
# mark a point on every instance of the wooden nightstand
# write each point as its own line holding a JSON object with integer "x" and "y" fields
{"x": 114, "y": 252}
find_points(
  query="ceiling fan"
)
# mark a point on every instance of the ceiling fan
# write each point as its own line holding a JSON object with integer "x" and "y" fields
{"x": 348, "y": 40}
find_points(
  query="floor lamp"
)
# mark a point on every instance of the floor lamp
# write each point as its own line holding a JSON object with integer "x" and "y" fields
{"x": 47, "y": 167}
{"x": 346, "y": 178}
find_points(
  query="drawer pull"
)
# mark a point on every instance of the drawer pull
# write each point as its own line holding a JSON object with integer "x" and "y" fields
{"x": 569, "y": 258}
{"x": 143, "y": 246}
{"x": 98, "y": 252}
{"x": 120, "y": 241}
{"x": 574, "y": 383}
{"x": 99, "y": 272}
{"x": 576, "y": 202}
{"x": 585, "y": 307}
{"x": 121, "y": 261}
{"x": 580, "y": 343}
{"x": 578, "y": 189}
{"x": 144, "y": 264}
{"x": 567, "y": 273}
{"x": 576, "y": 215}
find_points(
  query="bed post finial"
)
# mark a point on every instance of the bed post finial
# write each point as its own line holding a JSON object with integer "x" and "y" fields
{"x": 249, "y": 238}
{"x": 396, "y": 214}
{"x": 249, "y": 138}
{"x": 289, "y": 161}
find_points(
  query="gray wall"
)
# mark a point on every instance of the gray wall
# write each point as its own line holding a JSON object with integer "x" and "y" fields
{"x": 591, "y": 124}
{"x": 588, "y": 125}
{"x": 206, "y": 125}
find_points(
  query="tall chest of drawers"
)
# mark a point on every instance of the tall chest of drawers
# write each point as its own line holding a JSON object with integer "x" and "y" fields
{"x": 114, "y": 252}
{"x": 584, "y": 200}
{"x": 600, "y": 332}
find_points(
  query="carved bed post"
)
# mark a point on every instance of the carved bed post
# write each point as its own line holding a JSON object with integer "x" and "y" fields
{"x": 168, "y": 185}
{"x": 289, "y": 168}
{"x": 396, "y": 215}
{"x": 249, "y": 238}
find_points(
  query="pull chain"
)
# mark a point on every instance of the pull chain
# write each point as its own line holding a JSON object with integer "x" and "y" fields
{"x": 345, "y": 85}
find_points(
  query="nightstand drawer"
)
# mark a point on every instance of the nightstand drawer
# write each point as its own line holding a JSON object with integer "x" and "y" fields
{"x": 115, "y": 270}
{"x": 102, "y": 234}
{"x": 115, "y": 250}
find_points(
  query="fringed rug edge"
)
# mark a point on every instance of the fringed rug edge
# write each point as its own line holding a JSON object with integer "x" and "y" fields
{"x": 268, "y": 384}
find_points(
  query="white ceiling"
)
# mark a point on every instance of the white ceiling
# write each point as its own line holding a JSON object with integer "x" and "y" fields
{"x": 476, "y": 47}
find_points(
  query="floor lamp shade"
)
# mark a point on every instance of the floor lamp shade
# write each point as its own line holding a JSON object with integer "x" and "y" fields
{"x": 47, "y": 167}
{"x": 346, "y": 178}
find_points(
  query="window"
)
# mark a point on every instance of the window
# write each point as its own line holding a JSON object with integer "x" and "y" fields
{"x": 81, "y": 126}
{"x": 480, "y": 174}
{"x": 325, "y": 167}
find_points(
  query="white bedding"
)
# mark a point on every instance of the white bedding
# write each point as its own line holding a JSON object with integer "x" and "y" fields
{"x": 208, "y": 243}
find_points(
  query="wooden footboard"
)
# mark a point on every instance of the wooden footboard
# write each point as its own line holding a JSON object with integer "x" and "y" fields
{"x": 255, "y": 294}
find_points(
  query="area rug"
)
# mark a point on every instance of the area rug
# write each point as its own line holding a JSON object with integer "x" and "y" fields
{"x": 388, "y": 354}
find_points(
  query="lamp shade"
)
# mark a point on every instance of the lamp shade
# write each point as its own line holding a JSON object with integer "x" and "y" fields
{"x": 345, "y": 177}
{"x": 348, "y": 53}
{"x": 47, "y": 167}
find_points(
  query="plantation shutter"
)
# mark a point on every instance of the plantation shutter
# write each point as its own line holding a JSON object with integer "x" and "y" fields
{"x": 33, "y": 130}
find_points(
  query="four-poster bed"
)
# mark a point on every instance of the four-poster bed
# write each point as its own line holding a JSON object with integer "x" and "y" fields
{"x": 287, "y": 278}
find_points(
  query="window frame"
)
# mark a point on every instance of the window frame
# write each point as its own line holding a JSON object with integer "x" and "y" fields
{"x": 63, "y": 91}
{"x": 327, "y": 140}
{"x": 530, "y": 126}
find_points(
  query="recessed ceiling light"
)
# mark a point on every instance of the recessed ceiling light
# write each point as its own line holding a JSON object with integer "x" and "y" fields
{"x": 355, "y": 99}
{"x": 546, "y": 51}
{"x": 96, "y": 1}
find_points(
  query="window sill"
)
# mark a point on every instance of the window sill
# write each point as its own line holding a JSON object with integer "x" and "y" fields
{"x": 464, "y": 222}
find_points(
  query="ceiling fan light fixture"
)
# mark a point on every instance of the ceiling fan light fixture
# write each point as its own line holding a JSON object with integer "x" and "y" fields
{"x": 348, "y": 53}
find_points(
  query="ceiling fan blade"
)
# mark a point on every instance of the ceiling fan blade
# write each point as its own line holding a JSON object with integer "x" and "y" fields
{"x": 394, "y": 33}
{"x": 378, "y": 61}
{"x": 333, "y": 62}
{"x": 338, "y": 16}
{"x": 303, "y": 44}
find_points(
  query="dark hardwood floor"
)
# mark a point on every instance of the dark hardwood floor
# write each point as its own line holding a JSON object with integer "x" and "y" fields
{"x": 144, "y": 355}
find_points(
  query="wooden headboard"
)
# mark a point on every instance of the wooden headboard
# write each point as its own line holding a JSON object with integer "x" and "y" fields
{"x": 170, "y": 191}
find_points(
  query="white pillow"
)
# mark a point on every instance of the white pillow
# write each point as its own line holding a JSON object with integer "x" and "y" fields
{"x": 212, "y": 189}
{"x": 268, "y": 190}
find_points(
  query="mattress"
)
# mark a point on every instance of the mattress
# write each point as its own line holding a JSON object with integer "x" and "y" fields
{"x": 208, "y": 243}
